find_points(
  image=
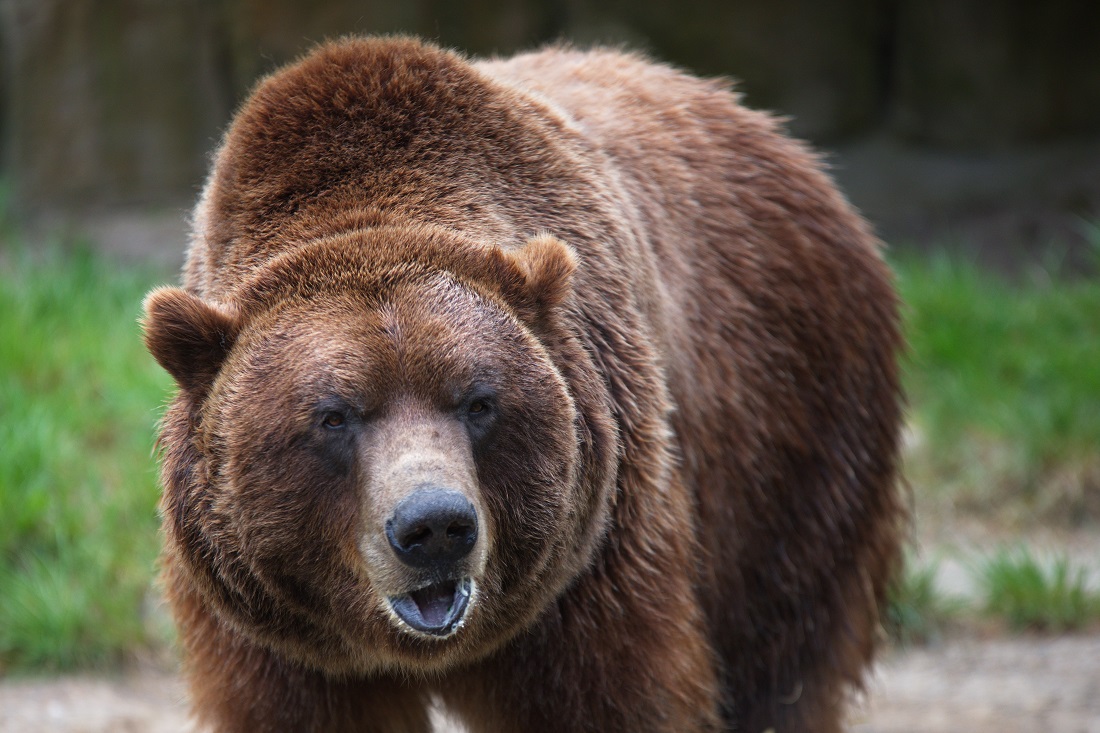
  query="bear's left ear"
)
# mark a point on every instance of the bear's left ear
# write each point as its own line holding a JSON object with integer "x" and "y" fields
{"x": 189, "y": 337}
{"x": 537, "y": 277}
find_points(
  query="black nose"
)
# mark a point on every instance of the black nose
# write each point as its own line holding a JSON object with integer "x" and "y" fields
{"x": 433, "y": 528}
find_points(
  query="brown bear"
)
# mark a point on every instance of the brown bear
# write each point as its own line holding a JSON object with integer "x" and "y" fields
{"x": 559, "y": 391}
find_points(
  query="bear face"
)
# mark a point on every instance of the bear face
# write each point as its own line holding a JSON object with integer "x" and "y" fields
{"x": 363, "y": 421}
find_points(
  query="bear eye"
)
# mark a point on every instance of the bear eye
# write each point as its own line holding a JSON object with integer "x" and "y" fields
{"x": 478, "y": 408}
{"x": 334, "y": 420}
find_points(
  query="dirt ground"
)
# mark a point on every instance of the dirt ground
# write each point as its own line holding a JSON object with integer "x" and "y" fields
{"x": 1019, "y": 685}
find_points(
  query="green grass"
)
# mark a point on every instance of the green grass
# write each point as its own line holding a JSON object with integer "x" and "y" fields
{"x": 79, "y": 399}
{"x": 1028, "y": 594}
{"x": 917, "y": 611}
{"x": 1004, "y": 385}
{"x": 1013, "y": 587}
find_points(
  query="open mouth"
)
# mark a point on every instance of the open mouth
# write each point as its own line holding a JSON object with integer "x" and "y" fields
{"x": 436, "y": 609}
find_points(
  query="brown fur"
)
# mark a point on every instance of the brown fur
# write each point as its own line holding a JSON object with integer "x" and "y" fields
{"x": 688, "y": 495}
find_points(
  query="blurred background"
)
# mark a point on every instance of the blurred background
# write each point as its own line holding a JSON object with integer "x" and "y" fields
{"x": 973, "y": 122}
{"x": 967, "y": 131}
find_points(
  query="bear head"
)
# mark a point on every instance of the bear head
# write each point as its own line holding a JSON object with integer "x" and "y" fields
{"x": 389, "y": 450}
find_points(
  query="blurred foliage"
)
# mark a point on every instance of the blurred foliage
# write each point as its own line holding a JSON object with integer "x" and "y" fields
{"x": 1029, "y": 594}
{"x": 917, "y": 612}
{"x": 1005, "y": 391}
{"x": 79, "y": 402}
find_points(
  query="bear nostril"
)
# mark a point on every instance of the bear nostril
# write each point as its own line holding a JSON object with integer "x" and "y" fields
{"x": 433, "y": 528}
{"x": 459, "y": 531}
{"x": 416, "y": 536}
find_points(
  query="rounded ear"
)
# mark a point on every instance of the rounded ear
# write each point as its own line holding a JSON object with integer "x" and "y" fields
{"x": 187, "y": 336}
{"x": 537, "y": 277}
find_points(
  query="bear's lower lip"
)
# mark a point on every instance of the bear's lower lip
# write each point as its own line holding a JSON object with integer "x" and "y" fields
{"x": 436, "y": 609}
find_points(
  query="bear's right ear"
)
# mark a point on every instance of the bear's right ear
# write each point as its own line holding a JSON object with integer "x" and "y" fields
{"x": 187, "y": 336}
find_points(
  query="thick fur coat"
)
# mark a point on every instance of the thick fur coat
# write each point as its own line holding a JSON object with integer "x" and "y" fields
{"x": 629, "y": 332}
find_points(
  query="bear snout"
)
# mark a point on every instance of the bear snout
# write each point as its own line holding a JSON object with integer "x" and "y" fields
{"x": 433, "y": 529}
